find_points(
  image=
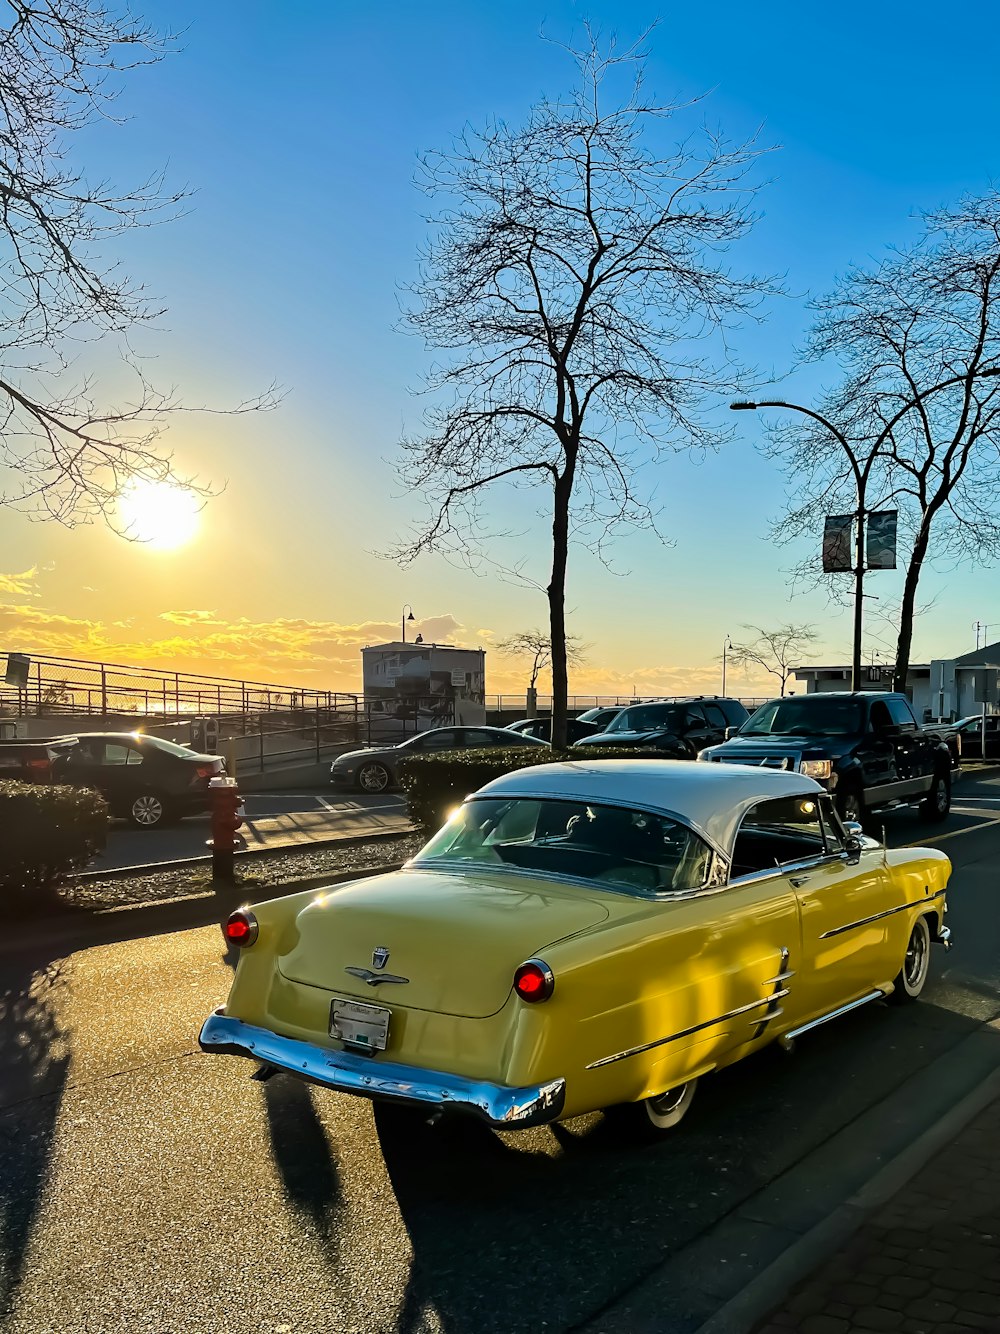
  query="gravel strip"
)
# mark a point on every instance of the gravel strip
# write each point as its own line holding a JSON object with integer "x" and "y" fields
{"x": 257, "y": 875}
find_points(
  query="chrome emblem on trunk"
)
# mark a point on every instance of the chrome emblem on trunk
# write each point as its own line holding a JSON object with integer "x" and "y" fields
{"x": 380, "y": 956}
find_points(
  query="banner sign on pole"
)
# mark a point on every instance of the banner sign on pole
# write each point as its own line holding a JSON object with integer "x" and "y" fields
{"x": 18, "y": 666}
{"x": 837, "y": 543}
{"x": 881, "y": 540}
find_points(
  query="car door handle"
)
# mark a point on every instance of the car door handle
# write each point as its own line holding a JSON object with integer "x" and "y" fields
{"x": 799, "y": 880}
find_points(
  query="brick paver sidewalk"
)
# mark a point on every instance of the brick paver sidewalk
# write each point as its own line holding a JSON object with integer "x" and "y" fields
{"x": 926, "y": 1263}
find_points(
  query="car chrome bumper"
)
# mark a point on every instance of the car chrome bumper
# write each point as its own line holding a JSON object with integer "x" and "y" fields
{"x": 502, "y": 1107}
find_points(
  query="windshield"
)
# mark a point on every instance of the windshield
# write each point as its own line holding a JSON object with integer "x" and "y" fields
{"x": 611, "y": 846}
{"x": 810, "y": 715}
{"x": 646, "y": 718}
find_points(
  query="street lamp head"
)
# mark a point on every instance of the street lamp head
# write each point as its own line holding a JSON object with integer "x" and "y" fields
{"x": 410, "y": 617}
{"x": 742, "y": 405}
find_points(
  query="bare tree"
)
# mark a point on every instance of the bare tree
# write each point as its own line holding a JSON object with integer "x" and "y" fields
{"x": 535, "y": 645}
{"x": 776, "y": 651}
{"x": 571, "y": 273}
{"x": 915, "y": 421}
{"x": 64, "y": 453}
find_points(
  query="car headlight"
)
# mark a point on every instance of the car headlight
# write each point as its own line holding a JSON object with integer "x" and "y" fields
{"x": 816, "y": 768}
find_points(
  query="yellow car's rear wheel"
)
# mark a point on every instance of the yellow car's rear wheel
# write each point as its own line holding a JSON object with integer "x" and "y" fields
{"x": 658, "y": 1115}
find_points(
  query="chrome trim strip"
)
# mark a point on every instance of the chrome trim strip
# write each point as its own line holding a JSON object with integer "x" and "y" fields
{"x": 500, "y": 1106}
{"x": 876, "y": 917}
{"x": 833, "y": 1014}
{"x": 781, "y": 977}
{"x": 686, "y": 1032}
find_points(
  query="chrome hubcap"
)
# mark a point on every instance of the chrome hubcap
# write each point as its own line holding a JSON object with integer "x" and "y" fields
{"x": 668, "y": 1102}
{"x": 147, "y": 810}
{"x": 916, "y": 958}
{"x": 373, "y": 779}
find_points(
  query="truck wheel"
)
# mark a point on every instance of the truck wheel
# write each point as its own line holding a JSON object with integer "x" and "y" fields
{"x": 912, "y": 976}
{"x": 937, "y": 806}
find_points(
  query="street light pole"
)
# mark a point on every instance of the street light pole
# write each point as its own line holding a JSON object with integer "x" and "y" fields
{"x": 862, "y": 475}
{"x": 406, "y": 608}
{"x": 727, "y": 643}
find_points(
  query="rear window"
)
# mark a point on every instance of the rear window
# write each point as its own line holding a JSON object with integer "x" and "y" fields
{"x": 612, "y": 847}
{"x": 169, "y": 747}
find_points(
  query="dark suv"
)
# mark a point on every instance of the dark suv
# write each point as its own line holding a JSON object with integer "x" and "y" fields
{"x": 678, "y": 729}
{"x": 143, "y": 778}
{"x": 867, "y": 748}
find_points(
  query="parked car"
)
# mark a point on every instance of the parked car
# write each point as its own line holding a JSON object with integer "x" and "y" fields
{"x": 970, "y": 734}
{"x": 541, "y": 728}
{"x": 677, "y": 729}
{"x": 29, "y": 761}
{"x": 600, "y": 716}
{"x": 377, "y": 768}
{"x": 581, "y": 937}
{"x": 144, "y": 779}
{"x": 865, "y": 747}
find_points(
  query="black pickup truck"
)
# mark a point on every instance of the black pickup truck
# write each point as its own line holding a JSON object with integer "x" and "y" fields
{"x": 867, "y": 748}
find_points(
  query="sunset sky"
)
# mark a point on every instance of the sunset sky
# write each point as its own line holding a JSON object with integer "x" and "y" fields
{"x": 297, "y": 127}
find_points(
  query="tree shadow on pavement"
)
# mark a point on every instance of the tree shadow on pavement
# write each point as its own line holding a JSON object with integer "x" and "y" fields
{"x": 34, "y": 1064}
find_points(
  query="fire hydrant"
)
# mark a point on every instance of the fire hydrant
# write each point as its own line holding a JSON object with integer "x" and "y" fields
{"x": 227, "y": 817}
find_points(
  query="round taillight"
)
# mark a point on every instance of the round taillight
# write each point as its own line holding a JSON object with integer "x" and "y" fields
{"x": 534, "y": 980}
{"x": 241, "y": 928}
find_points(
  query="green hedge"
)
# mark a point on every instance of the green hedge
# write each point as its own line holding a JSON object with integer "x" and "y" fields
{"x": 437, "y": 782}
{"x": 46, "y": 833}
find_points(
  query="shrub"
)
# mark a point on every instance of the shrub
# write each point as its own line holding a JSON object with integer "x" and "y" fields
{"x": 46, "y": 833}
{"x": 437, "y": 782}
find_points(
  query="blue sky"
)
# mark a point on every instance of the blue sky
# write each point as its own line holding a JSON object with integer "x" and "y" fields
{"x": 297, "y": 127}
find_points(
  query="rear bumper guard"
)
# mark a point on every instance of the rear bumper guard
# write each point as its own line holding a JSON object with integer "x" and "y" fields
{"x": 502, "y": 1107}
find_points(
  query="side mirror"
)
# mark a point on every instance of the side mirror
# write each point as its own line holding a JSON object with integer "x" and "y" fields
{"x": 854, "y": 847}
{"x": 731, "y": 732}
{"x": 853, "y": 829}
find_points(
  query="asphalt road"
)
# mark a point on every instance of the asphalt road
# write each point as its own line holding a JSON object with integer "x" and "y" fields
{"x": 272, "y": 820}
{"x": 144, "y": 1186}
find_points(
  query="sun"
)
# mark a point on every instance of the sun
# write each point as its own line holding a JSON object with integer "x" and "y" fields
{"x": 159, "y": 514}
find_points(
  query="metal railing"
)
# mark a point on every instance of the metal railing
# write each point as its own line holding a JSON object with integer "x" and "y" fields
{"x": 75, "y": 686}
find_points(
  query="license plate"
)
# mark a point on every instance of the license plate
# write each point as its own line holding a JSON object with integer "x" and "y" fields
{"x": 360, "y": 1025}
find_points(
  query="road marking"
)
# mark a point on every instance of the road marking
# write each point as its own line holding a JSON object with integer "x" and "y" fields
{"x": 954, "y": 833}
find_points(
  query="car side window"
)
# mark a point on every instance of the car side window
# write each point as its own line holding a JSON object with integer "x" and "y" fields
{"x": 439, "y": 739}
{"x": 900, "y": 713}
{"x": 478, "y": 737}
{"x": 116, "y": 754}
{"x": 779, "y": 831}
{"x": 87, "y": 752}
{"x": 880, "y": 717}
{"x": 692, "y": 718}
{"x": 715, "y": 716}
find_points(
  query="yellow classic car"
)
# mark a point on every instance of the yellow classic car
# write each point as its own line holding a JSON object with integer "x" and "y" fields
{"x": 593, "y": 935}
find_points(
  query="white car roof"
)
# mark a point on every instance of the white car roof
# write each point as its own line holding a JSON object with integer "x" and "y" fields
{"x": 711, "y": 799}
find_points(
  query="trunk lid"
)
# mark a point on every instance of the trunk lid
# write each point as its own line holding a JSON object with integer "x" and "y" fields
{"x": 456, "y": 938}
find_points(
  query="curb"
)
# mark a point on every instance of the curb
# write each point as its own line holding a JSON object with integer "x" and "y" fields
{"x": 741, "y": 1268}
{"x": 182, "y": 863}
{"x": 129, "y": 921}
{"x": 772, "y": 1286}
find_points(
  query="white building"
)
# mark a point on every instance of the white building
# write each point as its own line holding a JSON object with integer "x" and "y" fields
{"x": 425, "y": 685}
{"x": 942, "y": 689}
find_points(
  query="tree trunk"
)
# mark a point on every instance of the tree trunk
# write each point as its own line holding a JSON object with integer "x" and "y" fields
{"x": 906, "y": 607}
{"x": 557, "y": 606}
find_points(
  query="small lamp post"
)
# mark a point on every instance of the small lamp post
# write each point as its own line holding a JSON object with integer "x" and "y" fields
{"x": 406, "y": 608}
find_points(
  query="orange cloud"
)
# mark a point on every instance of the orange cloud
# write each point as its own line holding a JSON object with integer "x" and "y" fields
{"x": 23, "y": 585}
